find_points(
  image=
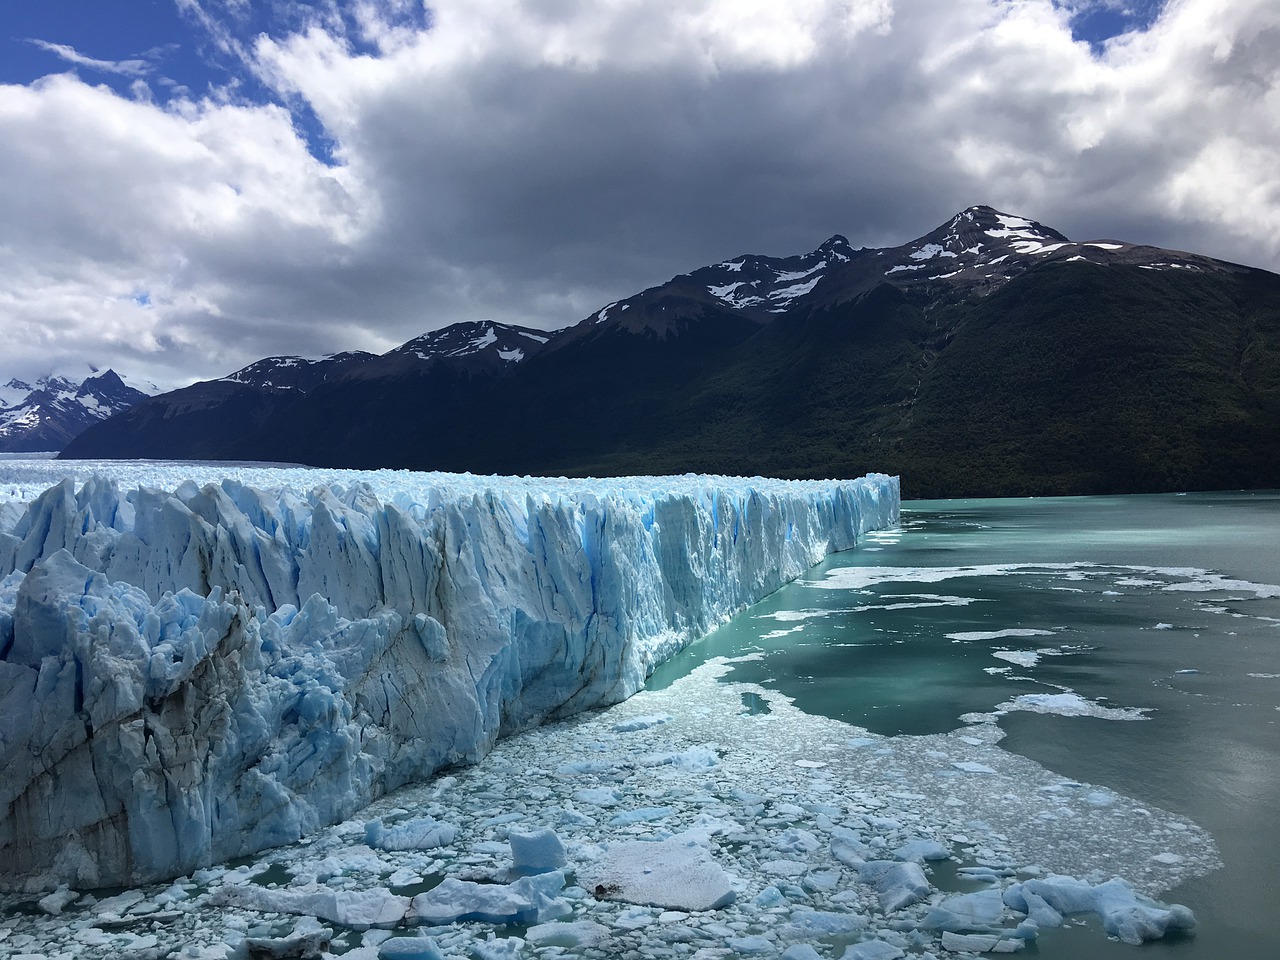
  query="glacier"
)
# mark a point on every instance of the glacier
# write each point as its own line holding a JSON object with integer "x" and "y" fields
{"x": 198, "y": 662}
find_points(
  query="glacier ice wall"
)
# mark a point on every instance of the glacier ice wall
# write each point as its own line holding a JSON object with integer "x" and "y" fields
{"x": 190, "y": 673}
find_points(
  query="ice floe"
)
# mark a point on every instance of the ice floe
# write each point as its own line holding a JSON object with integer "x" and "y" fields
{"x": 755, "y": 856}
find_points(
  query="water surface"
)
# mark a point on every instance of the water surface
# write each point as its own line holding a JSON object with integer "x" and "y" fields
{"x": 1148, "y": 627}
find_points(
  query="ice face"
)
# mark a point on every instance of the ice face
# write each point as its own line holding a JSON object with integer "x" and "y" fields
{"x": 192, "y": 673}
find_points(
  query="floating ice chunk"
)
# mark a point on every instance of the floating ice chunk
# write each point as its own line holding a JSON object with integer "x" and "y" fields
{"x": 424, "y": 833}
{"x": 1125, "y": 914}
{"x": 1135, "y": 919}
{"x": 1023, "y": 658}
{"x": 823, "y": 881}
{"x": 969, "y": 911}
{"x": 848, "y": 848}
{"x": 873, "y": 950}
{"x": 641, "y": 815}
{"x": 795, "y": 840}
{"x": 357, "y": 909}
{"x": 641, "y": 723}
{"x": 599, "y": 796}
{"x": 537, "y": 852}
{"x": 972, "y": 766}
{"x": 575, "y": 934}
{"x": 980, "y": 943}
{"x": 57, "y": 901}
{"x": 671, "y": 873}
{"x": 504, "y": 948}
{"x": 1163, "y": 626}
{"x": 800, "y": 951}
{"x": 1040, "y": 912}
{"x": 783, "y": 868}
{"x": 815, "y": 924}
{"x": 1071, "y": 704}
{"x": 897, "y": 884}
{"x": 410, "y": 948}
{"x": 975, "y": 635}
{"x": 528, "y": 900}
{"x": 696, "y": 758}
{"x": 922, "y": 849}
{"x": 752, "y": 946}
{"x": 309, "y": 944}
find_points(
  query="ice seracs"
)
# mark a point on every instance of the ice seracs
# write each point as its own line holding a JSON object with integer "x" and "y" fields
{"x": 196, "y": 672}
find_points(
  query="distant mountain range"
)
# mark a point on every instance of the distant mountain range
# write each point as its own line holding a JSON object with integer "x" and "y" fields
{"x": 992, "y": 356}
{"x": 45, "y": 415}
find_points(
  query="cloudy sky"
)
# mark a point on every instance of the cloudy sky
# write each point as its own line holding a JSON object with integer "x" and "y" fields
{"x": 189, "y": 185}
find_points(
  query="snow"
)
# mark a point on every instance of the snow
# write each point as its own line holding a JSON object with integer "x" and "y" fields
{"x": 728, "y": 294}
{"x": 931, "y": 250}
{"x": 270, "y": 651}
{"x": 786, "y": 294}
{"x": 475, "y": 345}
{"x": 787, "y": 276}
{"x": 512, "y": 356}
{"x": 1105, "y": 246}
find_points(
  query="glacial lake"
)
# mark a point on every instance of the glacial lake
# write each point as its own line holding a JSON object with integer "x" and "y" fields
{"x": 1131, "y": 642}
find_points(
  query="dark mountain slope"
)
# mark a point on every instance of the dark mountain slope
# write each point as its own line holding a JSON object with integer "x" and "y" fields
{"x": 193, "y": 423}
{"x": 990, "y": 357}
{"x": 1085, "y": 380}
{"x": 1072, "y": 379}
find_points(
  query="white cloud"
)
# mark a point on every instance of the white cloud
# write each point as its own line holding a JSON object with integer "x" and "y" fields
{"x": 531, "y": 161}
{"x": 125, "y": 68}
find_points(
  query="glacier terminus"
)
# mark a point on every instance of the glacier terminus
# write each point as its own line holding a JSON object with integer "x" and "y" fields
{"x": 198, "y": 662}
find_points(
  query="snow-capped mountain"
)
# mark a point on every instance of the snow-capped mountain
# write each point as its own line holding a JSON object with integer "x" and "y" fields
{"x": 276, "y": 407}
{"x": 475, "y": 345}
{"x": 297, "y": 373}
{"x": 755, "y": 286}
{"x": 485, "y": 340}
{"x": 992, "y": 355}
{"x": 977, "y": 251}
{"x": 49, "y": 413}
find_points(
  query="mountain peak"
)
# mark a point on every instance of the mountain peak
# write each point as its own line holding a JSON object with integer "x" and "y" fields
{"x": 837, "y": 247}
{"x": 506, "y": 341}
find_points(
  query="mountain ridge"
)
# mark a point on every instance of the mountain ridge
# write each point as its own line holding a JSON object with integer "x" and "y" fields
{"x": 44, "y": 416}
{"x": 827, "y": 363}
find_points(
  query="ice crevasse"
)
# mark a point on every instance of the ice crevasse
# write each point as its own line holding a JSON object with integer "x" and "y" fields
{"x": 190, "y": 673}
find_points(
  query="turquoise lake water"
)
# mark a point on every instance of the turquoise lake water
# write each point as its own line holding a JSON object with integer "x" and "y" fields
{"x": 1131, "y": 642}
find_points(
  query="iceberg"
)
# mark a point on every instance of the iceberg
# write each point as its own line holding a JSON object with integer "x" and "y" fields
{"x": 203, "y": 662}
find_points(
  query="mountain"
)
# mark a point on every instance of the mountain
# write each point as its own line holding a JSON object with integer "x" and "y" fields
{"x": 47, "y": 415}
{"x": 991, "y": 356}
{"x": 303, "y": 410}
